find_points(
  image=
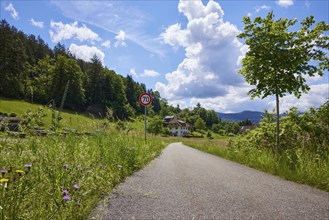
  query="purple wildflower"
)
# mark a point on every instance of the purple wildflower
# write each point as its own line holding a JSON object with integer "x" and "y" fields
{"x": 78, "y": 203}
{"x": 29, "y": 165}
{"x": 88, "y": 171}
{"x": 3, "y": 172}
{"x": 65, "y": 192}
{"x": 76, "y": 186}
{"x": 66, "y": 166}
{"x": 67, "y": 198}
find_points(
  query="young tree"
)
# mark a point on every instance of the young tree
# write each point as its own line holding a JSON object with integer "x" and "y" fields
{"x": 279, "y": 59}
{"x": 200, "y": 124}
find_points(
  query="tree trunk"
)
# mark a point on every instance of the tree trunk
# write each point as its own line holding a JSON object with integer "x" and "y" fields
{"x": 277, "y": 146}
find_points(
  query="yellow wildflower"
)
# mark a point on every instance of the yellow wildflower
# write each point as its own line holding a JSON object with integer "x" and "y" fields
{"x": 4, "y": 180}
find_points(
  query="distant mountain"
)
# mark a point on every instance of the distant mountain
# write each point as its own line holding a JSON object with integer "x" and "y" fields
{"x": 253, "y": 116}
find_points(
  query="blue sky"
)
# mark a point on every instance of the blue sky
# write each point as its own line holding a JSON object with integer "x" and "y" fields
{"x": 187, "y": 50}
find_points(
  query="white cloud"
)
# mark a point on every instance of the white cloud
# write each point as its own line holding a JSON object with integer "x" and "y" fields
{"x": 12, "y": 10}
{"x": 212, "y": 53}
{"x": 285, "y": 3}
{"x": 133, "y": 72}
{"x": 149, "y": 73}
{"x": 174, "y": 36}
{"x": 106, "y": 44}
{"x": 263, "y": 7}
{"x": 317, "y": 95}
{"x": 60, "y": 31}
{"x": 120, "y": 39}
{"x": 85, "y": 52}
{"x": 38, "y": 24}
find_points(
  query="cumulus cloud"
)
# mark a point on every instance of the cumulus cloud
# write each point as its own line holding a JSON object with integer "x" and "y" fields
{"x": 106, "y": 44}
{"x": 175, "y": 36}
{"x": 85, "y": 52}
{"x": 60, "y": 31}
{"x": 212, "y": 53}
{"x": 285, "y": 3}
{"x": 317, "y": 95}
{"x": 12, "y": 10}
{"x": 120, "y": 39}
{"x": 149, "y": 73}
{"x": 38, "y": 24}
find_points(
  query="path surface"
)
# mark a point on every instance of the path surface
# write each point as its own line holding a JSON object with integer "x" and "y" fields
{"x": 184, "y": 183}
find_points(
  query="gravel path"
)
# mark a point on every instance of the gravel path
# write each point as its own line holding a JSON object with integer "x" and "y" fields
{"x": 184, "y": 183}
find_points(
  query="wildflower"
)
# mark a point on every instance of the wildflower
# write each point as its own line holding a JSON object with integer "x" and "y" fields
{"x": 29, "y": 165}
{"x": 76, "y": 186}
{"x": 67, "y": 198}
{"x": 66, "y": 166}
{"x": 4, "y": 180}
{"x": 20, "y": 172}
{"x": 3, "y": 172}
{"x": 88, "y": 171}
{"x": 78, "y": 203}
{"x": 119, "y": 166}
{"x": 65, "y": 192}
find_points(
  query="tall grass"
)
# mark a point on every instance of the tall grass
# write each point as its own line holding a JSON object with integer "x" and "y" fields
{"x": 64, "y": 177}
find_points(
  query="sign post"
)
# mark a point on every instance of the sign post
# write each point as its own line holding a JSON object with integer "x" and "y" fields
{"x": 145, "y": 99}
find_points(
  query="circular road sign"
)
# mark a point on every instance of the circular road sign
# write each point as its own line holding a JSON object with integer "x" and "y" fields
{"x": 145, "y": 99}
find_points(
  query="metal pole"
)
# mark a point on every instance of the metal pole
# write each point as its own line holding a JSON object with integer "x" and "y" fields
{"x": 145, "y": 123}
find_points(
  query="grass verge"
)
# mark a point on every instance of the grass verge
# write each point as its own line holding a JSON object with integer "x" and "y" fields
{"x": 297, "y": 165}
{"x": 65, "y": 177}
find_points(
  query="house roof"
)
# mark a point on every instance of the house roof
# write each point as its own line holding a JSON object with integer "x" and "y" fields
{"x": 174, "y": 120}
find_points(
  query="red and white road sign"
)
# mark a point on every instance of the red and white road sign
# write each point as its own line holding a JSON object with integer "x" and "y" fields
{"x": 145, "y": 99}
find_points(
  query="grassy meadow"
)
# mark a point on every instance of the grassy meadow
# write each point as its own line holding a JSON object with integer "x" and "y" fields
{"x": 64, "y": 177}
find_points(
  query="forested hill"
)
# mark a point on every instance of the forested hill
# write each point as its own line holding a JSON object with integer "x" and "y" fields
{"x": 32, "y": 71}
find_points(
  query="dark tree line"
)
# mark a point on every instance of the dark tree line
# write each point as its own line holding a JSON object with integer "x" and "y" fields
{"x": 32, "y": 71}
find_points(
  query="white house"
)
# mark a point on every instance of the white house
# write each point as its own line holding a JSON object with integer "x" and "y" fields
{"x": 176, "y": 126}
